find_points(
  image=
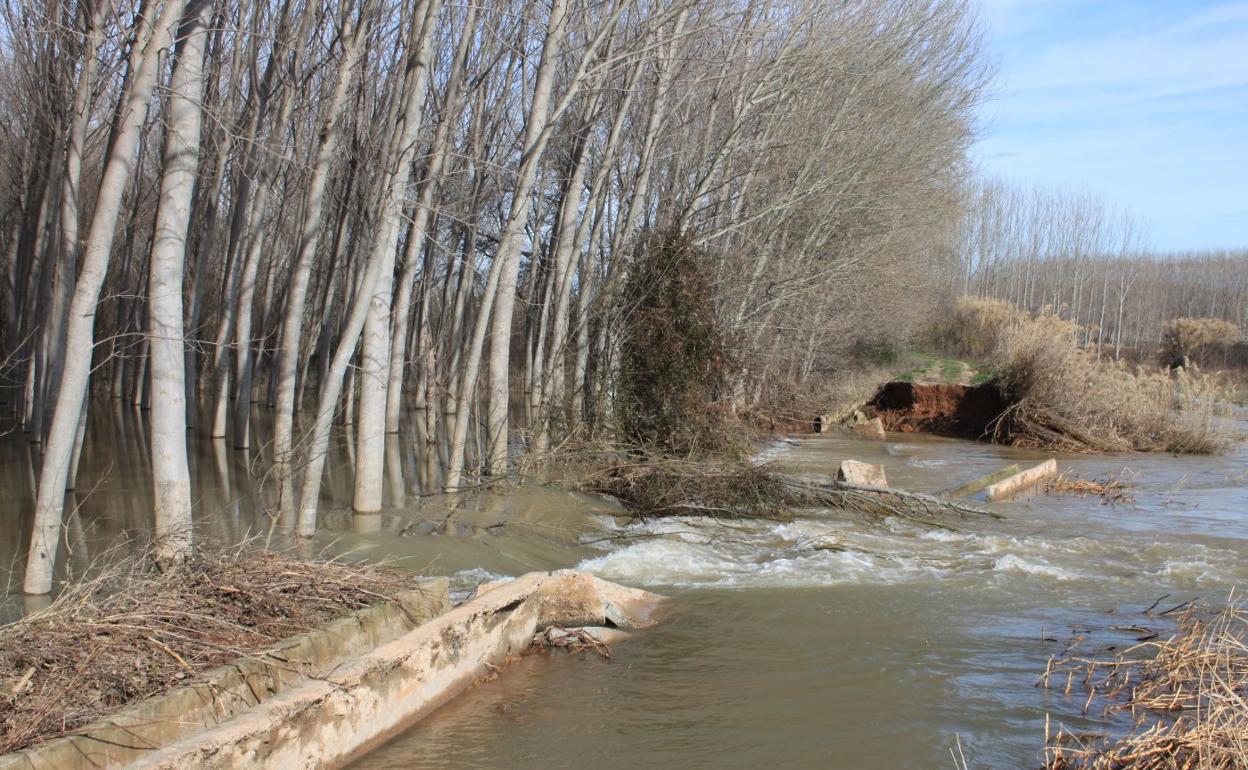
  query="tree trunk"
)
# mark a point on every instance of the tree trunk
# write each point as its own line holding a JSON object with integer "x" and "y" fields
{"x": 508, "y": 257}
{"x": 381, "y": 260}
{"x": 49, "y": 503}
{"x": 170, "y": 473}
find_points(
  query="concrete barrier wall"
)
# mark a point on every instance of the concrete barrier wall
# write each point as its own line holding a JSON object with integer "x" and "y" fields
{"x": 135, "y": 731}
{"x": 325, "y": 720}
{"x": 1025, "y": 479}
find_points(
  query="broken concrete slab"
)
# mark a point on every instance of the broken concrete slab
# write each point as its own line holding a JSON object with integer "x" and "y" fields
{"x": 581, "y": 599}
{"x": 872, "y": 429}
{"x": 326, "y": 717}
{"x": 1030, "y": 477}
{"x": 861, "y": 474}
{"x": 975, "y": 485}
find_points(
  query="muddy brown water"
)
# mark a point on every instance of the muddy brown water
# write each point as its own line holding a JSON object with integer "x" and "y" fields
{"x": 816, "y": 643}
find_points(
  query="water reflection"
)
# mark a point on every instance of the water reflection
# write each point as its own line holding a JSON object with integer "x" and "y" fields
{"x": 236, "y": 493}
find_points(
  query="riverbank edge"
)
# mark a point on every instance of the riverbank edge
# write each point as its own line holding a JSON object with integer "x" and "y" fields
{"x": 226, "y": 691}
{"x": 332, "y": 694}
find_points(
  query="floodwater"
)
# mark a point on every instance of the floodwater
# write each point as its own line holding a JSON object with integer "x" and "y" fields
{"x": 822, "y": 642}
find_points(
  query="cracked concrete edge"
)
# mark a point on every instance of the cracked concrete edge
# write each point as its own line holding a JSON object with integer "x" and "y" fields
{"x": 326, "y": 722}
{"x": 226, "y": 691}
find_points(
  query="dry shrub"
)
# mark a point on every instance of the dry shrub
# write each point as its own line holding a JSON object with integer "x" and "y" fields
{"x": 1063, "y": 397}
{"x": 673, "y": 487}
{"x": 673, "y": 358}
{"x": 1206, "y": 341}
{"x": 132, "y": 631}
{"x": 1187, "y": 693}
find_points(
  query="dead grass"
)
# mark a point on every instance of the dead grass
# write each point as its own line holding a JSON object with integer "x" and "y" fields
{"x": 1064, "y": 398}
{"x": 1111, "y": 490}
{"x": 1186, "y": 693}
{"x": 133, "y": 631}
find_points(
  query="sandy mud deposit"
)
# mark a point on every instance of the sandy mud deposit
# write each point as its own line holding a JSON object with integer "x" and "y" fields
{"x": 326, "y": 697}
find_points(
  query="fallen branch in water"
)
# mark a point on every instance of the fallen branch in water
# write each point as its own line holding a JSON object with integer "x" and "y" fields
{"x": 574, "y": 640}
{"x": 738, "y": 489}
{"x": 884, "y": 501}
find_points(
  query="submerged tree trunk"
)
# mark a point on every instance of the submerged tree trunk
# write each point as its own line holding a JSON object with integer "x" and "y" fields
{"x": 170, "y": 473}
{"x": 508, "y": 257}
{"x": 285, "y": 370}
{"x": 401, "y": 148}
{"x": 79, "y": 335}
{"x": 376, "y": 349}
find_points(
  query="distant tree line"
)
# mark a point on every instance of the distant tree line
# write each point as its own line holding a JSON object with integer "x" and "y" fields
{"x": 1071, "y": 253}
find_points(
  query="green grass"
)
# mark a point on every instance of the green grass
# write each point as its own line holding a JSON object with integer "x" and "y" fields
{"x": 951, "y": 371}
{"x": 917, "y": 366}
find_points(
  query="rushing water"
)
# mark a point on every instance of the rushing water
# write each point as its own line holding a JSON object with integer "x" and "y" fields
{"x": 827, "y": 643}
{"x": 822, "y": 642}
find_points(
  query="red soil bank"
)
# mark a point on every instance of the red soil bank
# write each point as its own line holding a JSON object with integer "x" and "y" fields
{"x": 962, "y": 411}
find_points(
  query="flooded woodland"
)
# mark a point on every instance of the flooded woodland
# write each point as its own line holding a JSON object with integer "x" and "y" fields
{"x": 349, "y": 327}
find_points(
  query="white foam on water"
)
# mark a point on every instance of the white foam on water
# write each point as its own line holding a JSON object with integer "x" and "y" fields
{"x": 1194, "y": 571}
{"x": 681, "y": 563}
{"x": 471, "y": 578}
{"x": 1018, "y": 564}
{"x": 817, "y": 551}
{"x": 900, "y": 450}
{"x": 772, "y": 451}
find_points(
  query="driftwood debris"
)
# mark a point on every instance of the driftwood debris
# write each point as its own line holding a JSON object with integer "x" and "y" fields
{"x": 673, "y": 487}
{"x": 884, "y": 502}
{"x": 1030, "y": 477}
{"x": 971, "y": 487}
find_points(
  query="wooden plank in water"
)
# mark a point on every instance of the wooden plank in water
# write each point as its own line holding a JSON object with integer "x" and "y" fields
{"x": 1022, "y": 480}
{"x": 971, "y": 487}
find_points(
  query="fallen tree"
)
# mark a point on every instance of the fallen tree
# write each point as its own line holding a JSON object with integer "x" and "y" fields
{"x": 740, "y": 489}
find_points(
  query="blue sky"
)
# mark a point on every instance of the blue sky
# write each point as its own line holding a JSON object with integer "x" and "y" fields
{"x": 1144, "y": 104}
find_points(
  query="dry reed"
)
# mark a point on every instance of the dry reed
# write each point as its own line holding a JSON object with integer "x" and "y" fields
{"x": 1186, "y": 693}
{"x": 1111, "y": 490}
{"x": 1064, "y": 397}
